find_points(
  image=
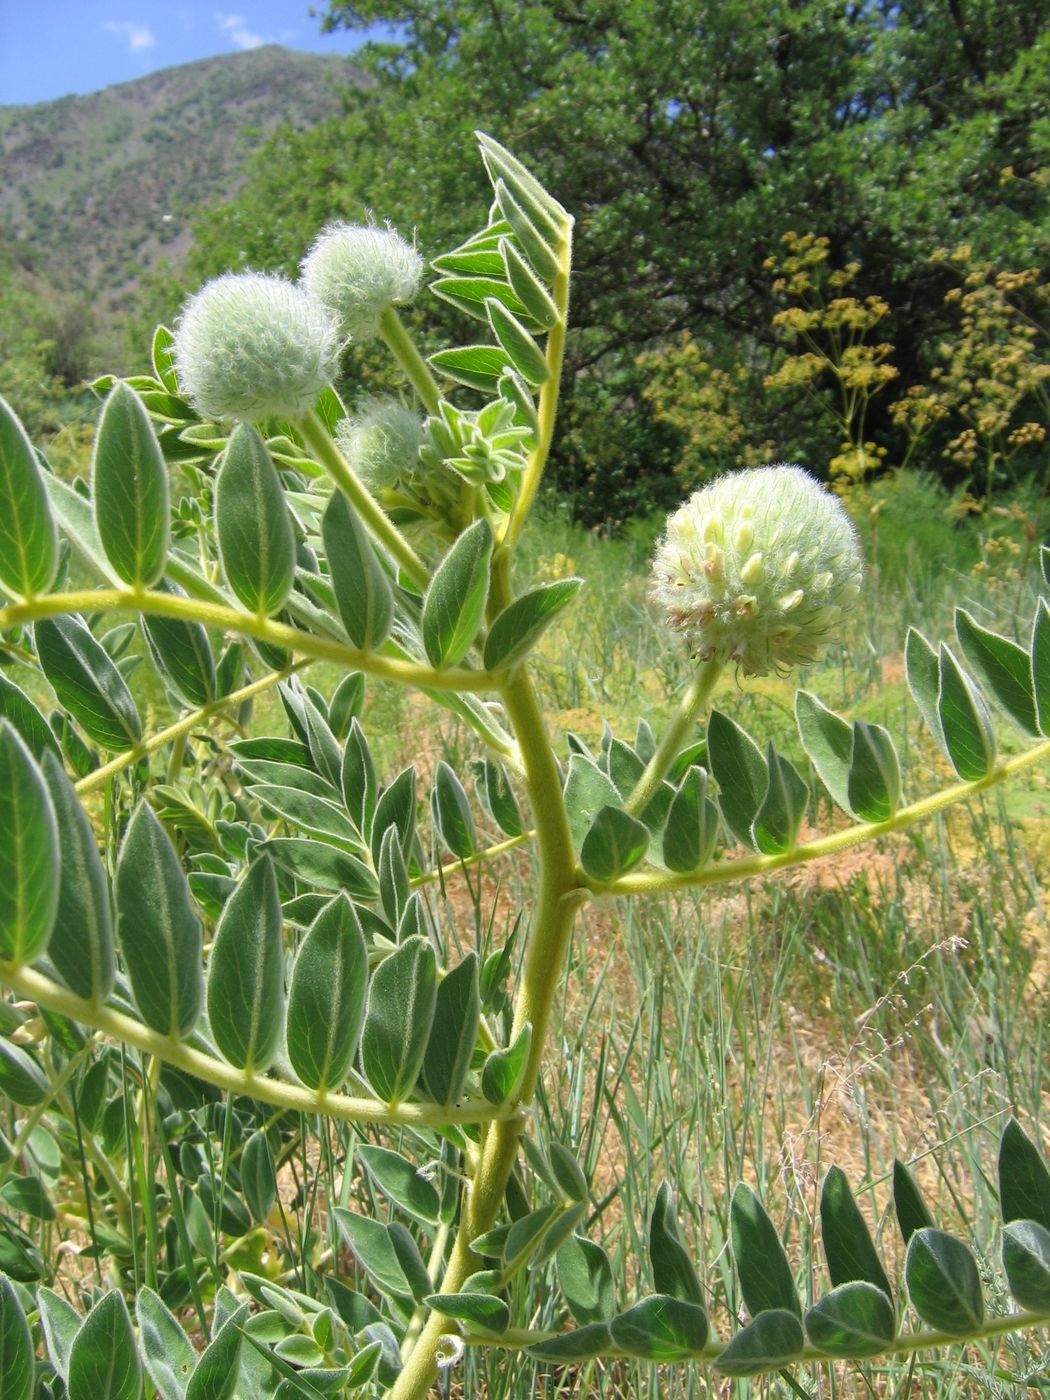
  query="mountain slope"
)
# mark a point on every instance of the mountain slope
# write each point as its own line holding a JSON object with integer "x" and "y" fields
{"x": 97, "y": 188}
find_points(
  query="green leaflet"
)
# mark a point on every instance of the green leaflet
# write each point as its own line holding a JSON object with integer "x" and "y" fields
{"x": 455, "y": 600}
{"x": 587, "y": 791}
{"x": 874, "y": 782}
{"x": 536, "y": 233}
{"x": 477, "y": 366}
{"x": 497, "y": 797}
{"x": 692, "y": 825}
{"x": 532, "y": 295}
{"x": 60, "y": 1323}
{"x": 21, "y": 1078}
{"x": 614, "y": 844}
{"x": 20, "y": 712}
{"x": 453, "y": 1032}
{"x": 1024, "y": 1181}
{"x": 470, "y": 294}
{"x": 523, "y": 352}
{"x": 17, "y": 1367}
{"x": 779, "y": 817}
{"x": 585, "y": 1278}
{"x": 520, "y": 625}
{"x": 166, "y": 1350}
{"x": 252, "y": 524}
{"x": 502, "y": 1072}
{"x": 358, "y": 779}
{"x": 160, "y": 935}
{"x": 848, "y": 1246}
{"x": 29, "y": 862}
{"x": 81, "y": 945}
{"x": 87, "y": 682}
{"x": 216, "y": 1374}
{"x": 28, "y": 541}
{"x": 401, "y": 1003}
{"x": 1026, "y": 1263}
{"x": 396, "y": 806}
{"x": 673, "y": 1271}
{"x": 394, "y": 886}
{"x": 104, "y": 1360}
{"x": 182, "y": 653}
{"x": 1002, "y": 667}
{"x": 258, "y": 1175}
{"x": 944, "y": 1284}
{"x": 400, "y": 1183}
{"x": 772, "y": 1340}
{"x": 452, "y": 815}
{"x": 1041, "y": 665}
{"x": 581, "y": 1345}
{"x": 923, "y": 679}
{"x": 740, "y": 771}
{"x": 321, "y": 866}
{"x": 855, "y": 1319}
{"x": 477, "y": 1310}
{"x": 909, "y": 1204}
{"x": 969, "y": 739}
{"x": 245, "y": 972}
{"x": 659, "y": 1328}
{"x": 362, "y": 590}
{"x": 387, "y": 1253}
{"x": 766, "y": 1280}
{"x": 326, "y": 998}
{"x": 309, "y": 811}
{"x": 828, "y": 742}
{"x": 130, "y": 487}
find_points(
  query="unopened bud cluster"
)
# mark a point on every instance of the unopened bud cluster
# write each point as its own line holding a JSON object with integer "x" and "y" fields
{"x": 759, "y": 569}
{"x": 250, "y": 346}
{"x": 357, "y": 271}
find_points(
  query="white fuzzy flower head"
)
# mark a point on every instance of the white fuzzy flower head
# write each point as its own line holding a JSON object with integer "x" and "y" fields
{"x": 358, "y": 270}
{"x": 249, "y": 346}
{"x": 382, "y": 443}
{"x": 759, "y": 569}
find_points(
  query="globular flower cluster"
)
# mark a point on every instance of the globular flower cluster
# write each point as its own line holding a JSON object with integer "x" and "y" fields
{"x": 357, "y": 271}
{"x": 382, "y": 444}
{"x": 759, "y": 569}
{"x": 250, "y": 346}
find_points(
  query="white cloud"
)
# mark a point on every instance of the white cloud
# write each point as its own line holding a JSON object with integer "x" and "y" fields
{"x": 235, "y": 27}
{"x": 138, "y": 36}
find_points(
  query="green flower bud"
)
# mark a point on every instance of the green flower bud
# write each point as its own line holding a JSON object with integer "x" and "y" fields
{"x": 382, "y": 443}
{"x": 759, "y": 568}
{"x": 249, "y": 347}
{"x": 358, "y": 271}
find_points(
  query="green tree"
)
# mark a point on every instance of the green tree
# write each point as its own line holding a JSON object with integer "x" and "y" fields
{"x": 690, "y": 137}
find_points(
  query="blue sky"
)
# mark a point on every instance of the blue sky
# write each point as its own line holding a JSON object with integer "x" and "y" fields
{"x": 52, "y": 47}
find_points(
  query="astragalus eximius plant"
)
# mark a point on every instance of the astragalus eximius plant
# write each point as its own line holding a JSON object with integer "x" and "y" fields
{"x": 219, "y": 946}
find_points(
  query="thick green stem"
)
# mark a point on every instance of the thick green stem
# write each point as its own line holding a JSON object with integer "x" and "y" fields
{"x": 559, "y": 899}
{"x": 229, "y": 619}
{"x": 375, "y": 518}
{"x": 403, "y": 349}
{"x": 695, "y": 699}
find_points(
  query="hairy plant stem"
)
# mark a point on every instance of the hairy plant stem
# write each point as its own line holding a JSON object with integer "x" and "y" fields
{"x": 373, "y": 516}
{"x": 725, "y": 871}
{"x": 182, "y": 727}
{"x": 697, "y": 694}
{"x": 117, "y": 1026}
{"x": 402, "y": 347}
{"x": 518, "y": 1338}
{"x": 557, "y": 903}
{"x": 230, "y": 619}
